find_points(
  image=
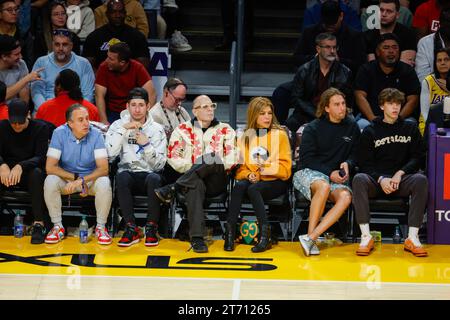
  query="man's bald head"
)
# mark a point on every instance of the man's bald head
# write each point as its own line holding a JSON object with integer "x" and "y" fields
{"x": 201, "y": 100}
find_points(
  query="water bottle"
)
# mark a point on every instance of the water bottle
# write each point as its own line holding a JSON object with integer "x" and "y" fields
{"x": 397, "y": 238}
{"x": 83, "y": 230}
{"x": 18, "y": 226}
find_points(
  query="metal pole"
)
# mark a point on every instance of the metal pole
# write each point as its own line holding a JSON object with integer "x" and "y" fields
{"x": 233, "y": 85}
{"x": 240, "y": 47}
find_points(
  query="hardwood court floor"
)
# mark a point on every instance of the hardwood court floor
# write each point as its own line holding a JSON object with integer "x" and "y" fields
{"x": 70, "y": 270}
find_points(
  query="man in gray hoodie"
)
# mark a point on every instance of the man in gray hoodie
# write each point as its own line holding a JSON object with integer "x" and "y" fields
{"x": 141, "y": 145}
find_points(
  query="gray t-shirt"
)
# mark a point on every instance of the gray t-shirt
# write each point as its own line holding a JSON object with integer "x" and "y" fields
{"x": 11, "y": 76}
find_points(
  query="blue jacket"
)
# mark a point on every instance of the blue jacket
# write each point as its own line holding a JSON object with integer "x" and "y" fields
{"x": 43, "y": 90}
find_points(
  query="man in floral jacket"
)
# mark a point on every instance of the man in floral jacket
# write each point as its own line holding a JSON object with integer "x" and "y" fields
{"x": 203, "y": 150}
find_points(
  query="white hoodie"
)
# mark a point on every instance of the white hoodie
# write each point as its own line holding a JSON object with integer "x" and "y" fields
{"x": 82, "y": 21}
{"x": 121, "y": 141}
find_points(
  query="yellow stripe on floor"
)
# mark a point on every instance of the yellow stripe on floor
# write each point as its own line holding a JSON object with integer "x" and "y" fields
{"x": 285, "y": 261}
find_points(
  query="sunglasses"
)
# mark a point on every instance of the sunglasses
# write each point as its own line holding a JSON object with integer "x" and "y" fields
{"x": 206, "y": 106}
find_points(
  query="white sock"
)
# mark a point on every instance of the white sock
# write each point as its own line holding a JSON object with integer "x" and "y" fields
{"x": 101, "y": 225}
{"x": 58, "y": 224}
{"x": 413, "y": 235}
{"x": 365, "y": 234}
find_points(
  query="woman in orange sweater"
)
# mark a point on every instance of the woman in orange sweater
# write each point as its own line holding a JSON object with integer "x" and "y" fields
{"x": 265, "y": 167}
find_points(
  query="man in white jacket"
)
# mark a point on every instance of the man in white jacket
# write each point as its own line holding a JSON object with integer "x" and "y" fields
{"x": 141, "y": 145}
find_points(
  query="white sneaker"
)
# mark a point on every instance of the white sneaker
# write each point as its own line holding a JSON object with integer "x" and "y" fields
{"x": 314, "y": 250}
{"x": 170, "y": 4}
{"x": 306, "y": 244}
{"x": 179, "y": 43}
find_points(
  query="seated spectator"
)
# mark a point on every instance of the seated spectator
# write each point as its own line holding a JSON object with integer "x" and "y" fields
{"x": 77, "y": 162}
{"x": 204, "y": 165}
{"x": 23, "y": 145}
{"x": 390, "y": 169}
{"x": 14, "y": 71}
{"x": 350, "y": 50}
{"x": 98, "y": 42}
{"x": 116, "y": 76}
{"x": 79, "y": 11}
{"x": 141, "y": 146}
{"x": 428, "y": 44}
{"x": 264, "y": 170}
{"x": 169, "y": 112}
{"x": 369, "y": 23}
{"x": 313, "y": 78}
{"x": 434, "y": 86}
{"x": 67, "y": 93}
{"x": 386, "y": 72}
{"x": 56, "y": 18}
{"x": 135, "y": 15}
{"x": 52, "y": 64}
{"x": 312, "y": 15}
{"x": 327, "y": 156}
{"x": 389, "y": 12}
{"x": 426, "y": 17}
{"x": 3, "y": 105}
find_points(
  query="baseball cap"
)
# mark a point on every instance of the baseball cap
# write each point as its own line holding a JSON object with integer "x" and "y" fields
{"x": 17, "y": 111}
{"x": 330, "y": 12}
{"x": 8, "y": 44}
{"x": 138, "y": 93}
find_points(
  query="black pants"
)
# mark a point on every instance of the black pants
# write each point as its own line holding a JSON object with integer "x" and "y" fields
{"x": 414, "y": 185}
{"x": 33, "y": 181}
{"x": 138, "y": 183}
{"x": 201, "y": 181}
{"x": 257, "y": 193}
{"x": 229, "y": 22}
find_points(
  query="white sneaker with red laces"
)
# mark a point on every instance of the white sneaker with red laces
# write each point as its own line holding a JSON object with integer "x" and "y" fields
{"x": 102, "y": 235}
{"x": 55, "y": 235}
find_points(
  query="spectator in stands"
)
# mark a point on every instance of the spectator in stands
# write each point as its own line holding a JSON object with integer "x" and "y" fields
{"x": 23, "y": 145}
{"x": 264, "y": 170}
{"x": 431, "y": 43}
{"x": 434, "y": 86}
{"x": 327, "y": 157}
{"x": 313, "y": 16}
{"x": 141, "y": 146}
{"x": 370, "y": 21}
{"x": 386, "y": 72}
{"x": 389, "y": 12}
{"x": 169, "y": 112}
{"x": 171, "y": 14}
{"x": 81, "y": 17}
{"x": 390, "y": 154}
{"x": 14, "y": 71}
{"x": 313, "y": 78}
{"x": 350, "y": 49}
{"x": 67, "y": 93}
{"x": 426, "y": 18}
{"x": 61, "y": 58}
{"x": 3, "y": 105}
{"x": 135, "y": 15}
{"x": 98, "y": 42}
{"x": 228, "y": 11}
{"x": 116, "y": 76}
{"x": 77, "y": 162}
{"x": 9, "y": 14}
{"x": 204, "y": 165}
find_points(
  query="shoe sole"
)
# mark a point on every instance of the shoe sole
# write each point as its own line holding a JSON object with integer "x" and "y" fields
{"x": 420, "y": 255}
{"x": 151, "y": 244}
{"x": 160, "y": 197}
{"x": 198, "y": 251}
{"x": 104, "y": 243}
{"x": 52, "y": 241}
{"x": 127, "y": 244}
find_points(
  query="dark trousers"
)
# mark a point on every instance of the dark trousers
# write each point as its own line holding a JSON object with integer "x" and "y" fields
{"x": 201, "y": 181}
{"x": 229, "y": 22}
{"x": 415, "y": 185}
{"x": 281, "y": 99}
{"x": 257, "y": 193}
{"x": 33, "y": 181}
{"x": 138, "y": 183}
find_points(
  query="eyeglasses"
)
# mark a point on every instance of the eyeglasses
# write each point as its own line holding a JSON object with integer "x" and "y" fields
{"x": 206, "y": 106}
{"x": 12, "y": 9}
{"x": 177, "y": 100}
{"x": 59, "y": 14}
{"x": 335, "y": 48}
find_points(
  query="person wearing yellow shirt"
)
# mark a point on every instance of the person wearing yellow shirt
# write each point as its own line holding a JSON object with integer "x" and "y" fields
{"x": 264, "y": 171}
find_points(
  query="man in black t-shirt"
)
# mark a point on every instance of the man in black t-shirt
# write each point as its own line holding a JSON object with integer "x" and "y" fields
{"x": 386, "y": 72}
{"x": 23, "y": 146}
{"x": 389, "y": 13}
{"x": 97, "y": 43}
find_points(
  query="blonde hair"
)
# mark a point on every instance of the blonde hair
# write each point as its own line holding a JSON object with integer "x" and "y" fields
{"x": 325, "y": 100}
{"x": 254, "y": 108}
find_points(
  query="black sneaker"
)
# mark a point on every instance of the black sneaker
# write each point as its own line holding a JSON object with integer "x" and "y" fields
{"x": 38, "y": 234}
{"x": 130, "y": 236}
{"x": 166, "y": 193}
{"x": 151, "y": 236}
{"x": 199, "y": 245}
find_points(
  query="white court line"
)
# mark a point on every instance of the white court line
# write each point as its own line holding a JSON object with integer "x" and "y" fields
{"x": 236, "y": 289}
